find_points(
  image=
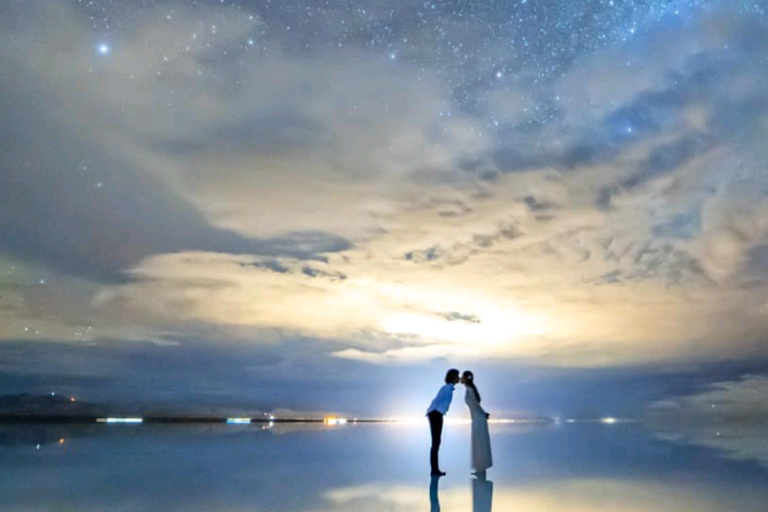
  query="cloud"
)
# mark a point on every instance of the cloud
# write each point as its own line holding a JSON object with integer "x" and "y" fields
{"x": 85, "y": 202}
{"x": 190, "y": 181}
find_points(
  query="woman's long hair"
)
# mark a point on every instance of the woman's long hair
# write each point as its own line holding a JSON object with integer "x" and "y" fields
{"x": 469, "y": 381}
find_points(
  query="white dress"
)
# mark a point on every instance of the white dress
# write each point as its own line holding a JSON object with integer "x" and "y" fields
{"x": 481, "y": 439}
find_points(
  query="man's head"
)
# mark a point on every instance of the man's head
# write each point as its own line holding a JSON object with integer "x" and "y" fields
{"x": 452, "y": 377}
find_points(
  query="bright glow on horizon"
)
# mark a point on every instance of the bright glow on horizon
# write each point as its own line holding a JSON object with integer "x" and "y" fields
{"x": 119, "y": 420}
{"x": 104, "y": 49}
{"x": 238, "y": 421}
{"x": 333, "y": 420}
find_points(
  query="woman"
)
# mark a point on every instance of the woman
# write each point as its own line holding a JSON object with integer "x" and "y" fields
{"x": 481, "y": 439}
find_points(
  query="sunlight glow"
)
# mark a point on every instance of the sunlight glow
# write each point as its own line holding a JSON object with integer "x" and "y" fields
{"x": 493, "y": 326}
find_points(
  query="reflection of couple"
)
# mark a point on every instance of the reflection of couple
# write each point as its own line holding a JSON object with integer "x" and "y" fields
{"x": 481, "y": 439}
{"x": 482, "y": 495}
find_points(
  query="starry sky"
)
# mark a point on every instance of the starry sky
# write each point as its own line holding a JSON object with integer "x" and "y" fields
{"x": 322, "y": 205}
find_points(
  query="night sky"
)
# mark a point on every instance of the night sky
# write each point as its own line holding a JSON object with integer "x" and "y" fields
{"x": 322, "y": 205}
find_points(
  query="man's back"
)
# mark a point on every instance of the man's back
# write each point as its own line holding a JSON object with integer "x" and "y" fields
{"x": 442, "y": 401}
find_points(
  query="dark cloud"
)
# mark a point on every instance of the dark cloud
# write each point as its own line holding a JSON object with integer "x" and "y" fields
{"x": 459, "y": 252}
{"x": 426, "y": 255}
{"x": 313, "y": 272}
{"x": 535, "y": 204}
{"x": 460, "y": 317}
{"x": 662, "y": 159}
{"x": 67, "y": 204}
{"x": 273, "y": 265}
{"x": 279, "y": 267}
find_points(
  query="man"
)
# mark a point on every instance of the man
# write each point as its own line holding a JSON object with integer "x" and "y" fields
{"x": 437, "y": 409}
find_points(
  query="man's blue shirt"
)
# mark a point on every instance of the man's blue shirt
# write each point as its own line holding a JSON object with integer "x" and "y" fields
{"x": 442, "y": 401}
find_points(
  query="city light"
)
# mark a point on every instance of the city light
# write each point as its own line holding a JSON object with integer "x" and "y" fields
{"x": 119, "y": 420}
{"x": 333, "y": 420}
{"x": 238, "y": 421}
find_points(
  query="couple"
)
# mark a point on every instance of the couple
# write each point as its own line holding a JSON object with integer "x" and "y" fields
{"x": 481, "y": 439}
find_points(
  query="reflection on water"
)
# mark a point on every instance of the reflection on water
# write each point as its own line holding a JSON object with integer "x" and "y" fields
{"x": 482, "y": 495}
{"x": 738, "y": 441}
{"x": 365, "y": 468}
{"x": 434, "y": 498}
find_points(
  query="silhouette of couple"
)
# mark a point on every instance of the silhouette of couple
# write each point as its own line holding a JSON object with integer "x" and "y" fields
{"x": 481, "y": 439}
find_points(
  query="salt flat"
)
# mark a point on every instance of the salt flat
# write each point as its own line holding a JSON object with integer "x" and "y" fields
{"x": 542, "y": 468}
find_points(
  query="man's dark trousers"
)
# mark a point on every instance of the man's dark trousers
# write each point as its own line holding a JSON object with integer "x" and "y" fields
{"x": 436, "y": 428}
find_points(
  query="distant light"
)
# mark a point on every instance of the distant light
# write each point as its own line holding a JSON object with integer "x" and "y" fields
{"x": 119, "y": 420}
{"x": 104, "y": 49}
{"x": 570, "y": 420}
{"x": 238, "y": 421}
{"x": 54, "y": 394}
{"x": 271, "y": 417}
{"x": 72, "y": 399}
{"x": 608, "y": 420}
{"x": 61, "y": 441}
{"x": 333, "y": 420}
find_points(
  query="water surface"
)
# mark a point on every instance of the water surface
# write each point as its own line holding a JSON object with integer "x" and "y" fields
{"x": 361, "y": 468}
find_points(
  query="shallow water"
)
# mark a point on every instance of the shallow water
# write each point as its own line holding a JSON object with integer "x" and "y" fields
{"x": 575, "y": 467}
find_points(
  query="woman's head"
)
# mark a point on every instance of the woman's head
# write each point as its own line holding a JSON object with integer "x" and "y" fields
{"x": 468, "y": 379}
